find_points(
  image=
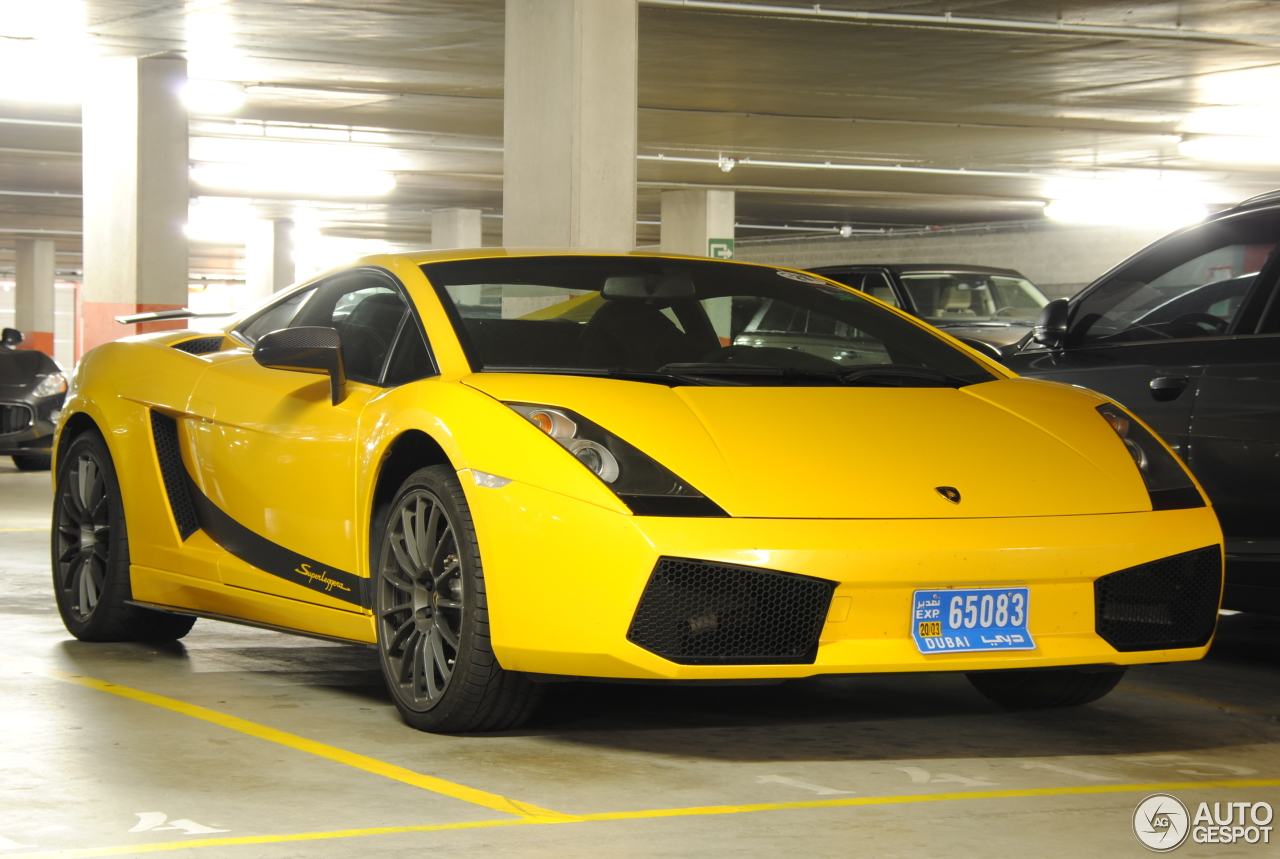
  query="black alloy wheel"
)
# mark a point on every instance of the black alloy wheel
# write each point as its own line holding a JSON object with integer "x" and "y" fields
{"x": 432, "y": 614}
{"x": 91, "y": 553}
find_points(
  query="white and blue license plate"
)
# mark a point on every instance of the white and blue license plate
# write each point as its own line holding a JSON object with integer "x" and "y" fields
{"x": 965, "y": 620}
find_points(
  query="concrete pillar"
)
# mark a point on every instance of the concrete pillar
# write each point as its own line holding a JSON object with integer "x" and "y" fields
{"x": 135, "y": 194}
{"x": 455, "y": 228}
{"x": 33, "y": 294}
{"x": 569, "y": 111}
{"x": 698, "y": 223}
{"x": 268, "y": 258}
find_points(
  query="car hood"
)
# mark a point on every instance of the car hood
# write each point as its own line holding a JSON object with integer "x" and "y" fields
{"x": 18, "y": 367}
{"x": 1011, "y": 447}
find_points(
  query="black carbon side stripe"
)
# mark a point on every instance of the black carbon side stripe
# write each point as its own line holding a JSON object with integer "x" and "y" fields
{"x": 273, "y": 558}
{"x": 164, "y": 431}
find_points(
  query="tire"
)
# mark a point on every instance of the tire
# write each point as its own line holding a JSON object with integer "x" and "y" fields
{"x": 1040, "y": 689}
{"x": 433, "y": 618}
{"x": 90, "y": 546}
{"x": 31, "y": 462}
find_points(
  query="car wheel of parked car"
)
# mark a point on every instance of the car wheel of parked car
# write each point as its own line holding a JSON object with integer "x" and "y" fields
{"x": 433, "y": 618}
{"x": 1037, "y": 689}
{"x": 91, "y": 553}
{"x": 29, "y": 462}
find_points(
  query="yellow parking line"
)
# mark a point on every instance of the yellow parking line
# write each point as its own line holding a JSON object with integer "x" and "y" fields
{"x": 302, "y": 744}
{"x": 696, "y": 811}
{"x": 1195, "y": 699}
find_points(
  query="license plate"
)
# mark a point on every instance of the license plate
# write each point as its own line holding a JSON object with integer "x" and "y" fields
{"x": 965, "y": 620}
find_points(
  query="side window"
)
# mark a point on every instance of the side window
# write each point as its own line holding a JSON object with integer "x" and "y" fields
{"x": 275, "y": 317}
{"x": 1192, "y": 287}
{"x": 366, "y": 309}
{"x": 877, "y": 286}
{"x": 410, "y": 359}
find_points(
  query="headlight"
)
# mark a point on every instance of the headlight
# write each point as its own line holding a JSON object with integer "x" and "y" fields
{"x": 643, "y": 484}
{"x": 54, "y": 383}
{"x": 1166, "y": 478}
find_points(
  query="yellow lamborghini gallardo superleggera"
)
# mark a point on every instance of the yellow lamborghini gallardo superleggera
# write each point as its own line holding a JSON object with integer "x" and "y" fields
{"x": 506, "y": 468}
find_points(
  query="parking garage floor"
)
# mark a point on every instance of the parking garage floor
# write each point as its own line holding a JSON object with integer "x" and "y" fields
{"x": 238, "y": 742}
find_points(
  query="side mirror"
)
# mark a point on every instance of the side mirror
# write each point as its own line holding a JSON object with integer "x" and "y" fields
{"x": 305, "y": 350}
{"x": 1051, "y": 326}
{"x": 11, "y": 337}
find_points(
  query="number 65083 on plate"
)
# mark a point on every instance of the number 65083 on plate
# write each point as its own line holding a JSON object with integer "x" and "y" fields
{"x": 965, "y": 620}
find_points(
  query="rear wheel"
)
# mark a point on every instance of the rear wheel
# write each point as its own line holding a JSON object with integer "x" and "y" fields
{"x": 31, "y": 462}
{"x": 433, "y": 617}
{"x": 1042, "y": 688}
{"x": 91, "y": 553}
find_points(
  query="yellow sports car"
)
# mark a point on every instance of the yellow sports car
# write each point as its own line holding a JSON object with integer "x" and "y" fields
{"x": 507, "y": 468}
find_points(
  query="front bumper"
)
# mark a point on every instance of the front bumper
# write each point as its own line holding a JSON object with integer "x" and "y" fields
{"x": 36, "y": 437}
{"x": 564, "y": 578}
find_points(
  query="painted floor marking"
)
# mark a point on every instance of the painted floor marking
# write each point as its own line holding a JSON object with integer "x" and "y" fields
{"x": 302, "y": 744}
{"x": 652, "y": 814}
{"x": 803, "y": 785}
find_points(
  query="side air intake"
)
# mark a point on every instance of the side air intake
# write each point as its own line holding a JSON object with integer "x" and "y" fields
{"x": 700, "y": 613}
{"x": 165, "y": 431}
{"x": 1161, "y": 605}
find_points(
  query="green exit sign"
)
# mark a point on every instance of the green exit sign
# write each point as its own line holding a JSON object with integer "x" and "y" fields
{"x": 720, "y": 248}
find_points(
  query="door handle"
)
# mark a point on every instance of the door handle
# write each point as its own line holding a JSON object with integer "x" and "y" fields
{"x": 1166, "y": 388}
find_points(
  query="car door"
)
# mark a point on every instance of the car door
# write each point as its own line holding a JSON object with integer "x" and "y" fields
{"x": 276, "y": 459}
{"x": 1145, "y": 333}
{"x": 1235, "y": 431}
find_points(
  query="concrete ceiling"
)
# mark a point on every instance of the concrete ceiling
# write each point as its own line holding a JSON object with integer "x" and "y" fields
{"x": 924, "y": 121}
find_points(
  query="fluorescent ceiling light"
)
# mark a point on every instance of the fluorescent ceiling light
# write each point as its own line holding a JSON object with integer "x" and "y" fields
{"x": 1129, "y": 213}
{"x": 1131, "y": 201}
{"x": 294, "y": 154}
{"x": 41, "y": 73}
{"x": 1236, "y": 150}
{"x": 219, "y": 221}
{"x": 297, "y": 182}
{"x": 212, "y": 96}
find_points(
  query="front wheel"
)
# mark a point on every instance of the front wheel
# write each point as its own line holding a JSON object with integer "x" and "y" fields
{"x": 433, "y": 617}
{"x": 1036, "y": 689}
{"x": 91, "y": 553}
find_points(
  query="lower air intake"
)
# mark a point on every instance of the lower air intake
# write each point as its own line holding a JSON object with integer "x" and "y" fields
{"x": 1161, "y": 605}
{"x": 699, "y": 613}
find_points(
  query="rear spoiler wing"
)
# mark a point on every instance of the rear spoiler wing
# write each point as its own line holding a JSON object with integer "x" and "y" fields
{"x": 162, "y": 315}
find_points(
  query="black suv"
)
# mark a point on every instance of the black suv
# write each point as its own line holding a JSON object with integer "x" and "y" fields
{"x": 1186, "y": 333}
{"x": 32, "y": 389}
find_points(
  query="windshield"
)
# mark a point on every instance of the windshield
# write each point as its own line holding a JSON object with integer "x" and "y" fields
{"x": 685, "y": 322}
{"x": 957, "y": 297}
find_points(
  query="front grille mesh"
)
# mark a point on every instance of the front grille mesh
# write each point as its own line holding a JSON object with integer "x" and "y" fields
{"x": 174, "y": 473}
{"x": 200, "y": 345}
{"x": 699, "y": 613}
{"x": 14, "y": 418}
{"x": 1161, "y": 605}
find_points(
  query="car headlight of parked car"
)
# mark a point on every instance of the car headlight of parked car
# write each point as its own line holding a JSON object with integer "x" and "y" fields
{"x": 1167, "y": 480}
{"x": 643, "y": 484}
{"x": 54, "y": 383}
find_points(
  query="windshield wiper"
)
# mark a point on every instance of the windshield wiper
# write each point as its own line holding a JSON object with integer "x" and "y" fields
{"x": 901, "y": 376}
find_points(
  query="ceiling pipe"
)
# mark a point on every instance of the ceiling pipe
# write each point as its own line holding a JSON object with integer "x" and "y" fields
{"x": 1058, "y": 28}
{"x": 727, "y": 164}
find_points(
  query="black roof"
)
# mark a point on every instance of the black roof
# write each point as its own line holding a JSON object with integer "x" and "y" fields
{"x": 921, "y": 267}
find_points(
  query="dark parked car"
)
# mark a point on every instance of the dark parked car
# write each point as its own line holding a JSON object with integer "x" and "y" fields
{"x": 32, "y": 389}
{"x": 1187, "y": 335}
{"x": 984, "y": 307}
